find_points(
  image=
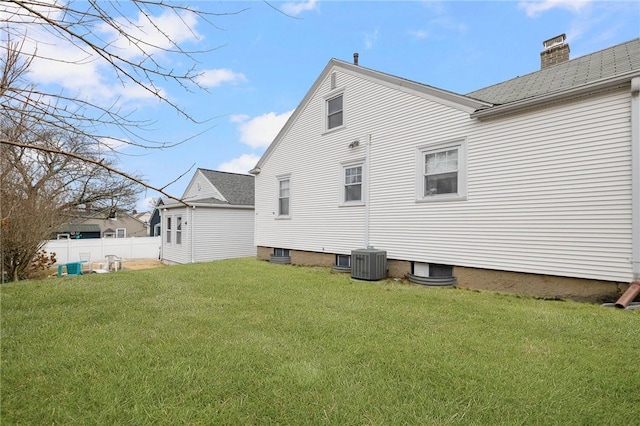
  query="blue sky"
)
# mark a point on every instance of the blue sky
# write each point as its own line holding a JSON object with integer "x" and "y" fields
{"x": 263, "y": 62}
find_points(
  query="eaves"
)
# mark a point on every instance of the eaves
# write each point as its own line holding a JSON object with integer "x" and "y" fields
{"x": 599, "y": 86}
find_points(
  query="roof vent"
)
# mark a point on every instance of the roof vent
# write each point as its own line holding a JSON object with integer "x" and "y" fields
{"x": 355, "y": 58}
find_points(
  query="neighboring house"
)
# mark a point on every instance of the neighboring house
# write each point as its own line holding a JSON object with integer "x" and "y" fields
{"x": 218, "y": 222}
{"x": 144, "y": 217}
{"x": 118, "y": 225}
{"x": 102, "y": 224}
{"x": 529, "y": 185}
{"x": 155, "y": 224}
{"x": 77, "y": 231}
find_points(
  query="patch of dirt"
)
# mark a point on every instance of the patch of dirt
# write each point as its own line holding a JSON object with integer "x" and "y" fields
{"x": 136, "y": 264}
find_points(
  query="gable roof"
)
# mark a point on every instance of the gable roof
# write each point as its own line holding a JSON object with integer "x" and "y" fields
{"x": 237, "y": 189}
{"x": 445, "y": 97}
{"x": 614, "y": 61}
{"x": 606, "y": 69}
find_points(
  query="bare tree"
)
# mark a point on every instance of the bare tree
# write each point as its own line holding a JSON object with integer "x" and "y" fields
{"x": 59, "y": 149}
{"x": 40, "y": 190}
{"x": 128, "y": 38}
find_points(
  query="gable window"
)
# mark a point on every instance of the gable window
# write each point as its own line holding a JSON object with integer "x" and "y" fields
{"x": 334, "y": 104}
{"x": 352, "y": 191}
{"x": 179, "y": 230}
{"x": 284, "y": 196}
{"x": 169, "y": 230}
{"x": 334, "y": 112}
{"x": 442, "y": 172}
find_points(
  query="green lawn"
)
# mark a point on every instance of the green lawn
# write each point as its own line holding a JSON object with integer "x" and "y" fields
{"x": 248, "y": 342}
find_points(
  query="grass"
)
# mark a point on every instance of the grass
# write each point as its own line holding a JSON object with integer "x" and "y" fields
{"x": 248, "y": 342}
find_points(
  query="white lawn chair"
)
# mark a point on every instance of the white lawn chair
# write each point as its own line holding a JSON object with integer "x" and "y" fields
{"x": 111, "y": 263}
{"x": 85, "y": 261}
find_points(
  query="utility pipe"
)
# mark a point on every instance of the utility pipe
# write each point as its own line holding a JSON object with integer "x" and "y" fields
{"x": 634, "y": 289}
{"x": 635, "y": 177}
{"x": 367, "y": 167}
{"x": 628, "y": 296}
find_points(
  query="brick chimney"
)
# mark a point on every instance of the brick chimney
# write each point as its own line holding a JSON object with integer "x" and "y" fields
{"x": 555, "y": 51}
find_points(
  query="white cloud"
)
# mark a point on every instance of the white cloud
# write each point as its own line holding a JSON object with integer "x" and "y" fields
{"x": 420, "y": 34}
{"x": 259, "y": 132}
{"x": 370, "y": 39}
{"x": 79, "y": 70}
{"x": 242, "y": 164}
{"x": 536, "y": 8}
{"x": 216, "y": 77}
{"x": 296, "y": 8}
{"x": 152, "y": 34}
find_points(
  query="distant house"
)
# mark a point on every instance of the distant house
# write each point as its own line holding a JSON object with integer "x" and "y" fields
{"x": 155, "y": 223}
{"x": 530, "y": 185}
{"x": 218, "y": 222}
{"x": 103, "y": 224}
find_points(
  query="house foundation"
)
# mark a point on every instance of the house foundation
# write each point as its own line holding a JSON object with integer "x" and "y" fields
{"x": 536, "y": 285}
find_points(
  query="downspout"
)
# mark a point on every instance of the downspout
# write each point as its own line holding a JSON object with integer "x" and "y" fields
{"x": 192, "y": 234}
{"x": 367, "y": 198}
{"x": 634, "y": 288}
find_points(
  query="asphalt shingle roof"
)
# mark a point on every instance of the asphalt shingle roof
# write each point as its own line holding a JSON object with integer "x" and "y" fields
{"x": 237, "y": 189}
{"x": 610, "y": 62}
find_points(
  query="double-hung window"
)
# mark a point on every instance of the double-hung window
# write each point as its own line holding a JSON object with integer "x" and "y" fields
{"x": 168, "y": 230}
{"x": 284, "y": 196}
{"x": 442, "y": 172}
{"x": 179, "y": 230}
{"x": 352, "y": 183}
{"x": 334, "y": 111}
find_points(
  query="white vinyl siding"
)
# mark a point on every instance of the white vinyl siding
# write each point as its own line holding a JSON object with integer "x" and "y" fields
{"x": 200, "y": 188}
{"x": 212, "y": 233}
{"x": 548, "y": 190}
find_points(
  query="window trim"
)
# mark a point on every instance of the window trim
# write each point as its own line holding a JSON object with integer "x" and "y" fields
{"x": 124, "y": 232}
{"x": 280, "y": 179}
{"x": 422, "y": 151}
{"x": 178, "y": 230}
{"x": 363, "y": 186}
{"x": 325, "y": 110}
{"x": 169, "y": 229}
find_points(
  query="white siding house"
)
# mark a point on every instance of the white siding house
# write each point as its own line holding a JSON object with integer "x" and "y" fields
{"x": 536, "y": 175}
{"x": 217, "y": 222}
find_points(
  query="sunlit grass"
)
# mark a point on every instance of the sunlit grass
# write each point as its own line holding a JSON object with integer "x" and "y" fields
{"x": 248, "y": 342}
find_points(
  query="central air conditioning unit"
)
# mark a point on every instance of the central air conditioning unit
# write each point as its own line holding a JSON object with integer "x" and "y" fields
{"x": 369, "y": 264}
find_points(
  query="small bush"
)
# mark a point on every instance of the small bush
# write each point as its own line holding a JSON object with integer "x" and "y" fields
{"x": 39, "y": 267}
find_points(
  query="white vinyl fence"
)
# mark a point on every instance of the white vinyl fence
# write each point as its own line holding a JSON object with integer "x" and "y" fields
{"x": 126, "y": 248}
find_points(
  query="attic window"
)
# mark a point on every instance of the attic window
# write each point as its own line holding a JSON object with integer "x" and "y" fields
{"x": 335, "y": 112}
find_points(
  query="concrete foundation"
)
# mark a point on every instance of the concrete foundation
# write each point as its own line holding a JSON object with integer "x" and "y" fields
{"x": 544, "y": 286}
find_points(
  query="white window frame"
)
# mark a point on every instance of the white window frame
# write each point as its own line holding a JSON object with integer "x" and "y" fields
{"x": 279, "y": 181}
{"x": 325, "y": 113}
{"x": 124, "y": 232}
{"x": 422, "y": 151}
{"x": 178, "y": 230}
{"x": 168, "y": 230}
{"x": 343, "y": 182}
